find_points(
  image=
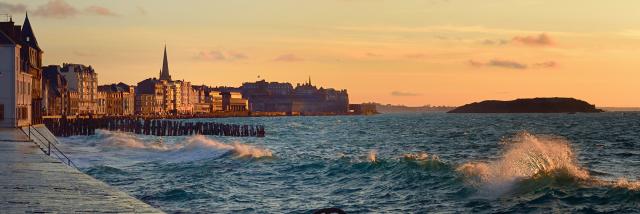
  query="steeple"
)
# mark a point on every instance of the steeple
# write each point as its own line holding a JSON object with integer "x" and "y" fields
{"x": 309, "y": 80}
{"x": 28, "y": 37}
{"x": 164, "y": 73}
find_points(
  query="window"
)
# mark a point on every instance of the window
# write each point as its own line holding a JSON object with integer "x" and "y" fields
{"x": 1, "y": 111}
{"x": 24, "y": 113}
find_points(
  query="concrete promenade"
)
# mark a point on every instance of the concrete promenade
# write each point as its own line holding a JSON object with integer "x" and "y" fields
{"x": 32, "y": 182}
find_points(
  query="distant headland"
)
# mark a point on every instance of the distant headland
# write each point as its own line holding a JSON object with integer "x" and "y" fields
{"x": 389, "y": 108}
{"x": 533, "y": 105}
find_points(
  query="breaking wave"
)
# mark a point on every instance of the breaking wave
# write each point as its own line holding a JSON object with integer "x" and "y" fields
{"x": 527, "y": 159}
{"x": 239, "y": 149}
{"x": 626, "y": 184}
{"x": 420, "y": 156}
{"x": 128, "y": 140}
{"x": 196, "y": 142}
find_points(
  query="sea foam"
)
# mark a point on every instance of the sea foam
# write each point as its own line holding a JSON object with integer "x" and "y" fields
{"x": 524, "y": 157}
{"x": 372, "y": 156}
{"x": 196, "y": 142}
{"x": 528, "y": 156}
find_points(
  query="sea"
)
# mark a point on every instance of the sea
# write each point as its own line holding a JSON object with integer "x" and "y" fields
{"x": 387, "y": 163}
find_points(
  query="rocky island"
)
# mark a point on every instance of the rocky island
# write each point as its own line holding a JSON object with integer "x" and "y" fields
{"x": 534, "y": 105}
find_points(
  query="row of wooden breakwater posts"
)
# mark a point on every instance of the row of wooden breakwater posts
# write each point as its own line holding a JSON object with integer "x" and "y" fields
{"x": 63, "y": 127}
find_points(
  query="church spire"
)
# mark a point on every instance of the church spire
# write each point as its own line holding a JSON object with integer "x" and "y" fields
{"x": 28, "y": 37}
{"x": 164, "y": 73}
{"x": 309, "y": 80}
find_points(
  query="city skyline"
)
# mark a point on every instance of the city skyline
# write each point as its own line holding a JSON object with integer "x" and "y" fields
{"x": 412, "y": 53}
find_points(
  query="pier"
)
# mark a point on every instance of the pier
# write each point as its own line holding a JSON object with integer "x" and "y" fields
{"x": 65, "y": 127}
{"x": 33, "y": 182}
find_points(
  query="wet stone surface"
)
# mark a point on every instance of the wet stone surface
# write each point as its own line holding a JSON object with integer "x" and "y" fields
{"x": 32, "y": 182}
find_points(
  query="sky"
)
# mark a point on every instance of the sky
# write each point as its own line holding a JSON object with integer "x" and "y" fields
{"x": 411, "y": 52}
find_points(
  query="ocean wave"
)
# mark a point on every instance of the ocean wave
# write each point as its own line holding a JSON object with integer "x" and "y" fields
{"x": 192, "y": 143}
{"x": 529, "y": 162}
{"x": 420, "y": 156}
{"x": 619, "y": 183}
{"x": 103, "y": 170}
{"x": 408, "y": 162}
{"x": 130, "y": 141}
{"x": 424, "y": 159}
{"x": 238, "y": 149}
{"x": 176, "y": 194}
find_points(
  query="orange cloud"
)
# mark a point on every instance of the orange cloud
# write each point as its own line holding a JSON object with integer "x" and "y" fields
{"x": 404, "y": 94}
{"x": 540, "y": 40}
{"x": 216, "y": 55}
{"x": 547, "y": 64}
{"x": 512, "y": 64}
{"x": 60, "y": 9}
{"x": 102, "y": 11}
{"x": 288, "y": 58}
{"x": 495, "y": 42}
{"x": 499, "y": 63}
{"x": 12, "y": 8}
{"x": 56, "y": 9}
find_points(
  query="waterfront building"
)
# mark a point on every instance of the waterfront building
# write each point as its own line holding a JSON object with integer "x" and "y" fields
{"x": 202, "y": 108}
{"x": 73, "y": 103}
{"x": 145, "y": 104}
{"x": 31, "y": 55}
{"x": 233, "y": 101}
{"x": 23, "y": 39}
{"x": 228, "y": 101}
{"x": 266, "y": 96}
{"x": 149, "y": 97}
{"x": 101, "y": 103}
{"x": 15, "y": 85}
{"x": 120, "y": 99}
{"x": 55, "y": 91}
{"x": 186, "y": 98}
{"x": 201, "y": 105}
{"x": 307, "y": 98}
{"x": 304, "y": 98}
{"x": 83, "y": 80}
{"x": 166, "y": 95}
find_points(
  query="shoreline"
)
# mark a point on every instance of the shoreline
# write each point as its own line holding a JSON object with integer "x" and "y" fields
{"x": 221, "y": 115}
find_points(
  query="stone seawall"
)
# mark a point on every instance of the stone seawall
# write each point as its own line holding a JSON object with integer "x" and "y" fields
{"x": 32, "y": 182}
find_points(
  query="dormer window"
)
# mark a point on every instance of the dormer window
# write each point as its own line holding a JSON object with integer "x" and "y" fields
{"x": 28, "y": 38}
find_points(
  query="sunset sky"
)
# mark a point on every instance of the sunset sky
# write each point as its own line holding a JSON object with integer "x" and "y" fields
{"x": 412, "y": 52}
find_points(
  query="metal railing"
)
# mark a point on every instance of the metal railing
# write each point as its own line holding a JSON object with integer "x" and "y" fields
{"x": 48, "y": 146}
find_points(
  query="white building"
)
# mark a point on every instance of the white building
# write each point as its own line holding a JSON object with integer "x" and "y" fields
{"x": 15, "y": 86}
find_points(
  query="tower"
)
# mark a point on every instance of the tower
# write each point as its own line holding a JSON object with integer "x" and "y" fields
{"x": 28, "y": 37}
{"x": 31, "y": 56}
{"x": 164, "y": 73}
